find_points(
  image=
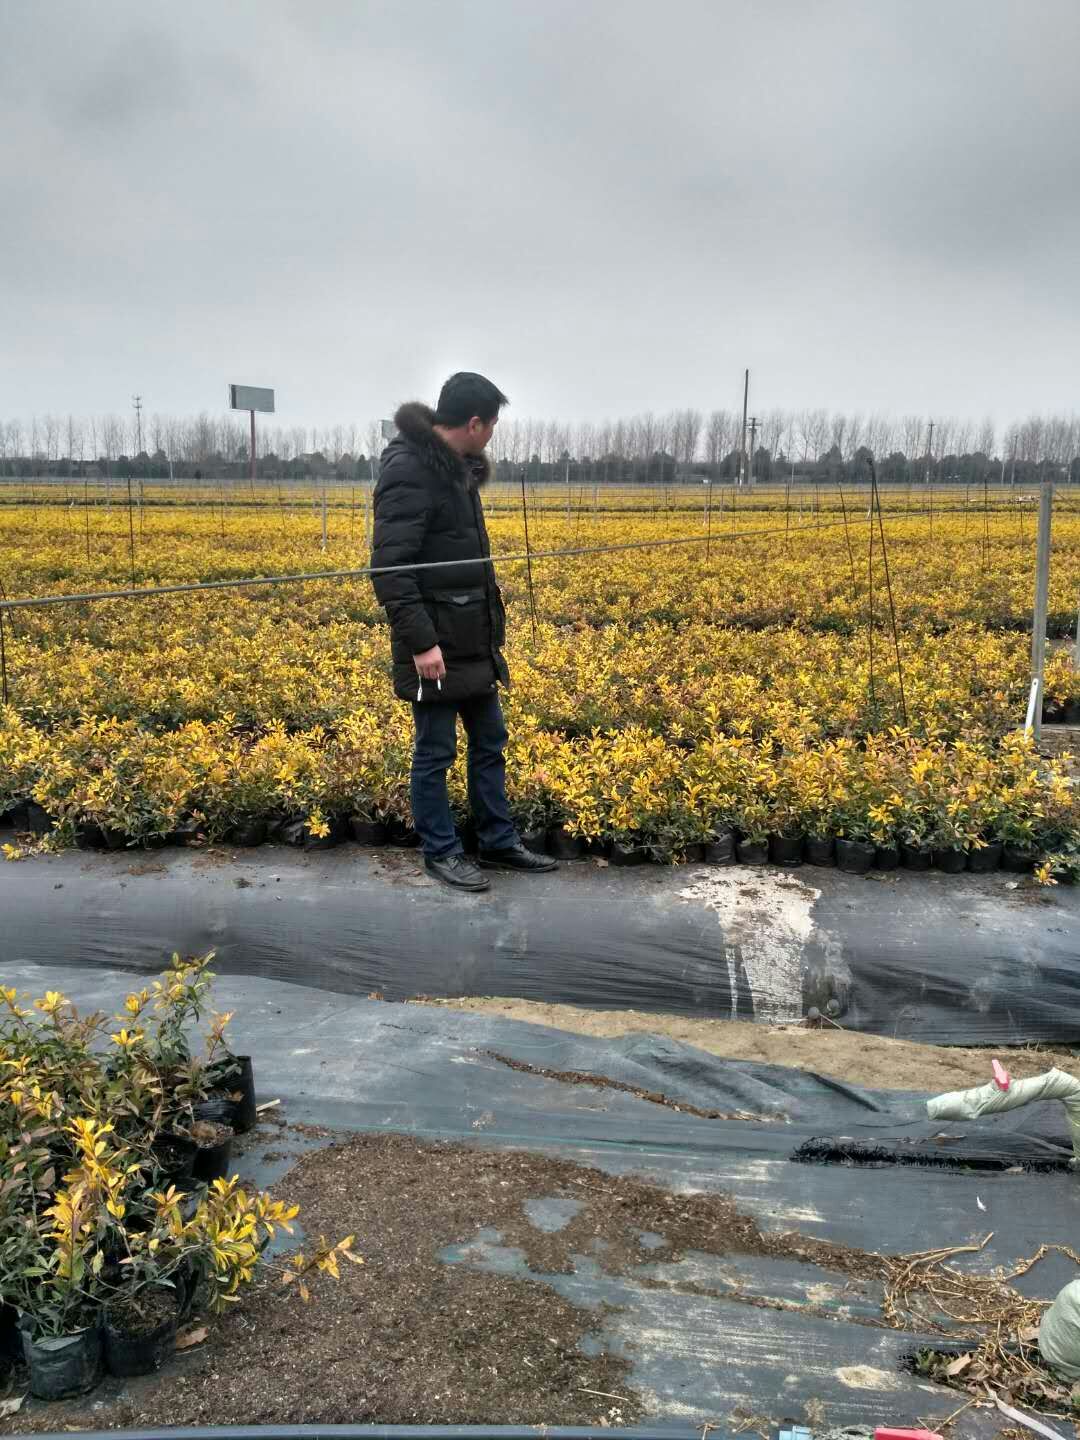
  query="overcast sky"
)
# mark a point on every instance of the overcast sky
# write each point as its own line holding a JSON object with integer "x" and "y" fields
{"x": 606, "y": 205}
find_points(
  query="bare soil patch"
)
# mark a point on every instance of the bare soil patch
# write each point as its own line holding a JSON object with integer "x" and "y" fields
{"x": 872, "y": 1060}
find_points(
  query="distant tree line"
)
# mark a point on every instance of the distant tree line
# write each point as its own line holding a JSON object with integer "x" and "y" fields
{"x": 790, "y": 446}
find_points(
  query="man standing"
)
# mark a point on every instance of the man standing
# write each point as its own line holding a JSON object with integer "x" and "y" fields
{"x": 448, "y": 625}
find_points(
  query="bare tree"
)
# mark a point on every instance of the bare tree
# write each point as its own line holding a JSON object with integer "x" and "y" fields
{"x": 718, "y": 432}
{"x": 73, "y": 440}
{"x": 772, "y": 427}
{"x": 813, "y": 428}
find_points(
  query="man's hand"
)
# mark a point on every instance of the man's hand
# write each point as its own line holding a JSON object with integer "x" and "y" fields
{"x": 430, "y": 665}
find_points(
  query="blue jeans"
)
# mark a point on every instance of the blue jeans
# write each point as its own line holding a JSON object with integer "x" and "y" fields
{"x": 434, "y": 753}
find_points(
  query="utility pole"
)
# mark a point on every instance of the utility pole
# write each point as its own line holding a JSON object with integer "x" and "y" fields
{"x": 753, "y": 432}
{"x": 742, "y": 452}
{"x": 929, "y": 450}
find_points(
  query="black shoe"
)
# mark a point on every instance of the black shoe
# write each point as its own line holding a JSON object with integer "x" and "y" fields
{"x": 516, "y": 857}
{"x": 457, "y": 871}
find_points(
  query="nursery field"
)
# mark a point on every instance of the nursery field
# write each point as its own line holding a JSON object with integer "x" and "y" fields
{"x": 803, "y": 667}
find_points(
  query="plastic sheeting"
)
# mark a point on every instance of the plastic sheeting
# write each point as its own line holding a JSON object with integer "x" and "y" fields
{"x": 946, "y": 959}
{"x": 707, "y": 1338}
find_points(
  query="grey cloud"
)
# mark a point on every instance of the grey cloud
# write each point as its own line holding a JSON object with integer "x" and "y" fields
{"x": 612, "y": 205}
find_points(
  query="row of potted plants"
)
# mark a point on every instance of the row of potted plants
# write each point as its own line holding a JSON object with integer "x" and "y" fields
{"x": 118, "y": 1214}
{"x": 112, "y": 784}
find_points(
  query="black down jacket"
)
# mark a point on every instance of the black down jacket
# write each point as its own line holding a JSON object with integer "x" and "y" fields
{"x": 427, "y": 508}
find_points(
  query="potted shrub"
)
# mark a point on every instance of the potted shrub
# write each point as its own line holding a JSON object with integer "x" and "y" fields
{"x": 856, "y": 851}
{"x": 147, "y": 1288}
{"x": 53, "y": 1261}
{"x": 366, "y": 827}
{"x": 752, "y": 820}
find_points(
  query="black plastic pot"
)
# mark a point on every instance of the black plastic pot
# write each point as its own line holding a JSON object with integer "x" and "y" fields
{"x": 89, "y": 836}
{"x": 247, "y": 833}
{"x": 624, "y": 855}
{"x": 721, "y": 850}
{"x": 184, "y": 833}
{"x": 1053, "y": 711}
{"x": 367, "y": 832}
{"x": 534, "y": 840}
{"x": 598, "y": 847}
{"x": 986, "y": 858}
{"x": 820, "y": 851}
{"x": 175, "y": 1155}
{"x": 855, "y": 857}
{"x": 887, "y": 857}
{"x": 216, "y": 1108}
{"x": 401, "y": 835}
{"x": 240, "y": 1080}
{"x": 38, "y": 819}
{"x": 786, "y": 850}
{"x": 951, "y": 861}
{"x": 157, "y": 841}
{"x": 114, "y": 839}
{"x": 752, "y": 852}
{"x": 64, "y": 1365}
{"x": 212, "y": 1161}
{"x": 1016, "y": 860}
{"x": 693, "y": 854}
{"x": 139, "y": 1354}
{"x": 186, "y": 1280}
{"x": 1072, "y": 712}
{"x": 564, "y": 846}
{"x": 915, "y": 857}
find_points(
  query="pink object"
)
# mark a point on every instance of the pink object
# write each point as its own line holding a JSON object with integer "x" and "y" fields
{"x": 1001, "y": 1076}
{"x": 887, "y": 1432}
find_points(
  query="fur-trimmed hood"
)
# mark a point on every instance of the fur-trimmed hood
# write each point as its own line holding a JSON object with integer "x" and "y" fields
{"x": 416, "y": 428}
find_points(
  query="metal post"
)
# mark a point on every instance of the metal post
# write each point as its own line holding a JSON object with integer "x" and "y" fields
{"x": 324, "y": 516}
{"x": 253, "y": 451}
{"x": 742, "y": 451}
{"x": 1042, "y": 590}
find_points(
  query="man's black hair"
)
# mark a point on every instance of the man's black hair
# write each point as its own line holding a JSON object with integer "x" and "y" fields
{"x": 465, "y": 395}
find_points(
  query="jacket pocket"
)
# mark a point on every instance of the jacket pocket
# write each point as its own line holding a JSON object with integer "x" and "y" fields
{"x": 461, "y": 622}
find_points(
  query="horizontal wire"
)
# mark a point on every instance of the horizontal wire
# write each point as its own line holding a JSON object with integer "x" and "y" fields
{"x": 34, "y": 602}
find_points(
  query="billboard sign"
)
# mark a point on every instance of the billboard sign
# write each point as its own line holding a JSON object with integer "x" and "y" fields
{"x": 250, "y": 397}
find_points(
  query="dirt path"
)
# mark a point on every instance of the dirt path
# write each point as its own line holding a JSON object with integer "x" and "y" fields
{"x": 862, "y": 1059}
